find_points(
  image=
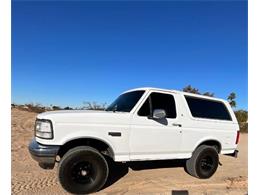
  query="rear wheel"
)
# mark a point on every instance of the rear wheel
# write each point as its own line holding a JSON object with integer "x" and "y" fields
{"x": 82, "y": 170}
{"x": 203, "y": 163}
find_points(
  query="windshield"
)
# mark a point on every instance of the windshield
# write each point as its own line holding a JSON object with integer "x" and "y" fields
{"x": 126, "y": 101}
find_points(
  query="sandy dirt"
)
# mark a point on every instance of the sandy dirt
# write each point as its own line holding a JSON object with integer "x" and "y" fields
{"x": 156, "y": 177}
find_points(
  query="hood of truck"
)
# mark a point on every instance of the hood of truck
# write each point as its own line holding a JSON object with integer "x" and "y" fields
{"x": 77, "y": 124}
{"x": 85, "y": 116}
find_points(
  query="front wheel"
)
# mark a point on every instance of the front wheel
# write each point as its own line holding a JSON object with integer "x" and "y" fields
{"x": 82, "y": 170}
{"x": 203, "y": 163}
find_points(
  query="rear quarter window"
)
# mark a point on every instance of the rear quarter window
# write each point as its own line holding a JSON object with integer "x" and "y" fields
{"x": 208, "y": 109}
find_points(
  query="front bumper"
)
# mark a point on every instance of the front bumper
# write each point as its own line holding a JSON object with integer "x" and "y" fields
{"x": 45, "y": 155}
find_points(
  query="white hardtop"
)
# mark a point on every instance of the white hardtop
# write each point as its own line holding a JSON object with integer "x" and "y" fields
{"x": 175, "y": 91}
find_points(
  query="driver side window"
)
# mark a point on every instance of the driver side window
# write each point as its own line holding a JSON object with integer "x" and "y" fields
{"x": 159, "y": 101}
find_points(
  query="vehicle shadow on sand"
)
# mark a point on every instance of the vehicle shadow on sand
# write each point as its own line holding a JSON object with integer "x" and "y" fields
{"x": 117, "y": 170}
{"x": 157, "y": 164}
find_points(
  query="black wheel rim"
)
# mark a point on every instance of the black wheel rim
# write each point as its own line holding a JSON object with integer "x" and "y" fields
{"x": 83, "y": 172}
{"x": 206, "y": 164}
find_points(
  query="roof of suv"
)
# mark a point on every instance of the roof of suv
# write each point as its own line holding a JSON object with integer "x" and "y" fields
{"x": 175, "y": 91}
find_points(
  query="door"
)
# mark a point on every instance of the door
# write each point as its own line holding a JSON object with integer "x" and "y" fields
{"x": 155, "y": 138}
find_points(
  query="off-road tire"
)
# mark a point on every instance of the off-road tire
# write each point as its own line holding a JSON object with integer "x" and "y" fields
{"x": 82, "y": 170}
{"x": 203, "y": 163}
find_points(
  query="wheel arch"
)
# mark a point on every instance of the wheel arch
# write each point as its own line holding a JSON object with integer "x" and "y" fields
{"x": 100, "y": 144}
{"x": 210, "y": 142}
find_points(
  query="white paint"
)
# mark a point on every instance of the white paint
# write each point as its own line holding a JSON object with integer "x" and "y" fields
{"x": 142, "y": 138}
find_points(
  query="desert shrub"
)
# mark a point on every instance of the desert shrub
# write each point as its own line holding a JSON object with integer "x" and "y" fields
{"x": 243, "y": 127}
{"x": 56, "y": 108}
{"x": 38, "y": 108}
{"x": 93, "y": 106}
{"x": 242, "y": 118}
{"x": 34, "y": 108}
{"x": 67, "y": 108}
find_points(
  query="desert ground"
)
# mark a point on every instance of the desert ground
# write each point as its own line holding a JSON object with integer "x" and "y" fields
{"x": 156, "y": 177}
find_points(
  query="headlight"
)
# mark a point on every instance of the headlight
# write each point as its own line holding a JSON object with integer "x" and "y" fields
{"x": 43, "y": 129}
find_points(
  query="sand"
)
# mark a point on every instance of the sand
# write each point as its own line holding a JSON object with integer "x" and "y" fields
{"x": 156, "y": 177}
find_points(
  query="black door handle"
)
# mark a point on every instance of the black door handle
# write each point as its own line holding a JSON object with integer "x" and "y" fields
{"x": 176, "y": 124}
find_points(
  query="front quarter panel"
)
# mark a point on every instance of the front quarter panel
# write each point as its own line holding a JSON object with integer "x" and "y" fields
{"x": 69, "y": 127}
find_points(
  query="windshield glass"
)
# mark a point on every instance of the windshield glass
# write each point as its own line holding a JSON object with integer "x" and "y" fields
{"x": 126, "y": 101}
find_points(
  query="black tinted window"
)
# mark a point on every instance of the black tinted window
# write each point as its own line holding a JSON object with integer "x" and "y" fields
{"x": 126, "y": 101}
{"x": 159, "y": 101}
{"x": 203, "y": 108}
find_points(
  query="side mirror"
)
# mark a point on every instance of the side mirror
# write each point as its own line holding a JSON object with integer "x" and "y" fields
{"x": 159, "y": 114}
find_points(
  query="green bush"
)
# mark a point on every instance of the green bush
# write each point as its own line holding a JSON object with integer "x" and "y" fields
{"x": 243, "y": 127}
{"x": 242, "y": 118}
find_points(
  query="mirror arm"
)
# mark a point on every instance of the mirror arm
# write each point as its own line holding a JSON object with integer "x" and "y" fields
{"x": 150, "y": 117}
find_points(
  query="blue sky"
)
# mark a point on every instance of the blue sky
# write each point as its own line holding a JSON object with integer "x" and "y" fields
{"x": 67, "y": 52}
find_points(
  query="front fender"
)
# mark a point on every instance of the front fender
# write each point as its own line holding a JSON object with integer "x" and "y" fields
{"x": 78, "y": 135}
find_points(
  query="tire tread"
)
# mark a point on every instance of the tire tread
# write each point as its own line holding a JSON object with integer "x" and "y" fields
{"x": 191, "y": 163}
{"x": 77, "y": 151}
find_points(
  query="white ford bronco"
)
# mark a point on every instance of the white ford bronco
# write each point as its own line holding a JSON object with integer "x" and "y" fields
{"x": 141, "y": 124}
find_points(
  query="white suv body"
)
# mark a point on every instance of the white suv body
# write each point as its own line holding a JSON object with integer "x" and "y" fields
{"x": 159, "y": 124}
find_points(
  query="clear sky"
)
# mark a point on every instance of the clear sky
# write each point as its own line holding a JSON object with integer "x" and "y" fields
{"x": 67, "y": 52}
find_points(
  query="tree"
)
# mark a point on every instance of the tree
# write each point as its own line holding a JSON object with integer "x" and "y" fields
{"x": 194, "y": 90}
{"x": 231, "y": 99}
{"x": 190, "y": 89}
{"x": 94, "y": 106}
{"x": 208, "y": 94}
